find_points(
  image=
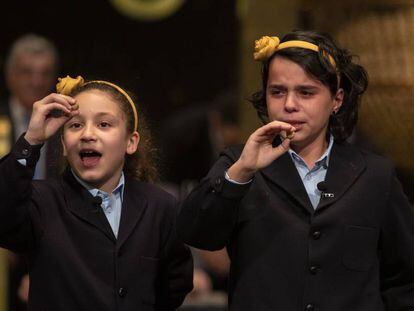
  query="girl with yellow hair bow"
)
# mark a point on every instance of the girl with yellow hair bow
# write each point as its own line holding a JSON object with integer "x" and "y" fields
{"x": 101, "y": 237}
{"x": 310, "y": 222}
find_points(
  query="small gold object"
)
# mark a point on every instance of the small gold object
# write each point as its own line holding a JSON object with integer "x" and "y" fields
{"x": 290, "y": 134}
{"x": 66, "y": 85}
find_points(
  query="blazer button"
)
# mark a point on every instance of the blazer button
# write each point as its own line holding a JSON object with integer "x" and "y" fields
{"x": 218, "y": 184}
{"x": 316, "y": 235}
{"x": 310, "y": 307}
{"x": 313, "y": 269}
{"x": 25, "y": 152}
{"x": 122, "y": 292}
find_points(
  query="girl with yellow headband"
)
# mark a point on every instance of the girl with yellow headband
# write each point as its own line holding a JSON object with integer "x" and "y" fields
{"x": 310, "y": 222}
{"x": 100, "y": 237}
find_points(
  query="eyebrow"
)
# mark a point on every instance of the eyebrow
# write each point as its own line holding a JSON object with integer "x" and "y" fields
{"x": 298, "y": 87}
{"x": 307, "y": 87}
{"x": 98, "y": 115}
{"x": 104, "y": 114}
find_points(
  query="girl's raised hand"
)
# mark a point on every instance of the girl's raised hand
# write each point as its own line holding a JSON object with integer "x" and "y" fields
{"x": 48, "y": 115}
{"x": 259, "y": 152}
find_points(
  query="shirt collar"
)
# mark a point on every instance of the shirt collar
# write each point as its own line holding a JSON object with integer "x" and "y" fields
{"x": 322, "y": 161}
{"x": 94, "y": 191}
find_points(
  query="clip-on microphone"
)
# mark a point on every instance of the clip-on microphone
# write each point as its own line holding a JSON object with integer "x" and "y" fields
{"x": 322, "y": 187}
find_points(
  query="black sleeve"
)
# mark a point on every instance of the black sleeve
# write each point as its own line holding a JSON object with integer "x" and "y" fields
{"x": 176, "y": 277}
{"x": 397, "y": 251}
{"x": 15, "y": 193}
{"x": 209, "y": 214}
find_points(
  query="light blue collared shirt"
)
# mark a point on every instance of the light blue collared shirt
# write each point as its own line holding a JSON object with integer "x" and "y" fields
{"x": 111, "y": 202}
{"x": 311, "y": 177}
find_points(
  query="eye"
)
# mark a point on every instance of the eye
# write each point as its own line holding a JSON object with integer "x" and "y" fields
{"x": 75, "y": 125}
{"x": 276, "y": 92}
{"x": 104, "y": 124}
{"x": 306, "y": 93}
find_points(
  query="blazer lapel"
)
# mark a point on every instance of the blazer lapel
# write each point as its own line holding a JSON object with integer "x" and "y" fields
{"x": 283, "y": 173}
{"x": 133, "y": 207}
{"x": 80, "y": 203}
{"x": 345, "y": 165}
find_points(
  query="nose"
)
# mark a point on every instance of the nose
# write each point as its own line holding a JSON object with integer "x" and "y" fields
{"x": 41, "y": 80}
{"x": 38, "y": 81}
{"x": 291, "y": 103}
{"x": 88, "y": 133}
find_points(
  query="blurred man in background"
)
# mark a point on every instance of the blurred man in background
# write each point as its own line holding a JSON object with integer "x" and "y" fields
{"x": 30, "y": 74}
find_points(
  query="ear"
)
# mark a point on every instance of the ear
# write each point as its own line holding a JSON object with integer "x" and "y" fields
{"x": 132, "y": 143}
{"x": 63, "y": 146}
{"x": 337, "y": 100}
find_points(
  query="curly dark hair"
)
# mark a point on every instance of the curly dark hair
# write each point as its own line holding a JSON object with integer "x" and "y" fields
{"x": 353, "y": 78}
{"x": 139, "y": 165}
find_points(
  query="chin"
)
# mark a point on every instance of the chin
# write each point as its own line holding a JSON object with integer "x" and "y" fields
{"x": 91, "y": 178}
{"x": 297, "y": 141}
{"x": 297, "y": 138}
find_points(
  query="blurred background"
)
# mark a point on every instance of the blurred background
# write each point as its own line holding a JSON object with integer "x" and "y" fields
{"x": 189, "y": 63}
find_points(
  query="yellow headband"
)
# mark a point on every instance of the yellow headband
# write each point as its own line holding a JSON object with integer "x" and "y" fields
{"x": 266, "y": 46}
{"x": 66, "y": 85}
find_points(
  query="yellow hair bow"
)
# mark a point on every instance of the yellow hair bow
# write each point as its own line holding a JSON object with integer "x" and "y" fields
{"x": 266, "y": 46}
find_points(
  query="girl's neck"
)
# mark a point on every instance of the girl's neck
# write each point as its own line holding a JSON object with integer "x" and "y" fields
{"x": 110, "y": 185}
{"x": 311, "y": 152}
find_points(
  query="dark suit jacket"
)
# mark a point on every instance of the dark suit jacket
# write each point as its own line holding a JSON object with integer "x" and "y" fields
{"x": 355, "y": 252}
{"x": 75, "y": 261}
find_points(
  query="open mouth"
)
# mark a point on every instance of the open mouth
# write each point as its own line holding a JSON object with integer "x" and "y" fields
{"x": 90, "y": 158}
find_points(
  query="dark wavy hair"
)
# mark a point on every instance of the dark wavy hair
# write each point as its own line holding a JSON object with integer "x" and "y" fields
{"x": 139, "y": 165}
{"x": 353, "y": 78}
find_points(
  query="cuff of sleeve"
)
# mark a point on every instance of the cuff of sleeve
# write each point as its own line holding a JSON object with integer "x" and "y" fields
{"x": 226, "y": 175}
{"x": 23, "y": 150}
{"x": 228, "y": 189}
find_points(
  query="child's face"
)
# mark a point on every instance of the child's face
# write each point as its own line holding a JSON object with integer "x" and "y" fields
{"x": 293, "y": 96}
{"x": 95, "y": 141}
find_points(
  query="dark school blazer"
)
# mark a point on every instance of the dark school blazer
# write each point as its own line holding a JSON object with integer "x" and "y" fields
{"x": 75, "y": 261}
{"x": 355, "y": 252}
